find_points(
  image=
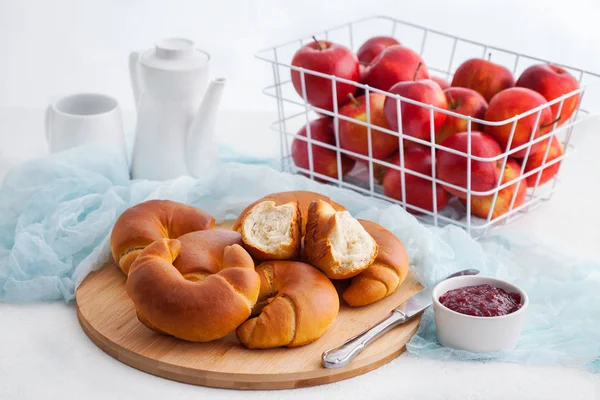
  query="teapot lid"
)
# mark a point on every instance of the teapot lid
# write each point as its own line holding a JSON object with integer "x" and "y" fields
{"x": 175, "y": 54}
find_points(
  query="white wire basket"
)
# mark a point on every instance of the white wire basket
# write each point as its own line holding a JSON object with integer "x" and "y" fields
{"x": 442, "y": 53}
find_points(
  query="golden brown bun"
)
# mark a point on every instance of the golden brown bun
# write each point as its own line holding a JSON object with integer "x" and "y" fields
{"x": 299, "y": 305}
{"x": 385, "y": 275}
{"x": 303, "y": 197}
{"x": 336, "y": 243}
{"x": 272, "y": 232}
{"x": 199, "y": 287}
{"x": 151, "y": 220}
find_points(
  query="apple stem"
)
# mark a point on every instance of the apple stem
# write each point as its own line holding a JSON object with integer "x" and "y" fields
{"x": 353, "y": 100}
{"x": 489, "y": 56}
{"x": 451, "y": 100}
{"x": 417, "y": 71}
{"x": 550, "y": 123}
{"x": 318, "y": 43}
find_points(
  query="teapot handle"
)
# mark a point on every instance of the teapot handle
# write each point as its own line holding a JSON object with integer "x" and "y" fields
{"x": 134, "y": 60}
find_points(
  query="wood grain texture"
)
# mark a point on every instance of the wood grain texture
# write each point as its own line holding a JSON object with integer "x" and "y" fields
{"x": 107, "y": 316}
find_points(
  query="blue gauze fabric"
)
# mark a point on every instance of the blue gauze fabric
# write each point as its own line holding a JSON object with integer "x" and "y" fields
{"x": 56, "y": 215}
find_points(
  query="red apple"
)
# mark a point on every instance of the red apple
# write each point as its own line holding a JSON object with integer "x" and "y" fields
{"x": 551, "y": 82}
{"x": 452, "y": 168}
{"x": 354, "y": 137}
{"x": 328, "y": 58}
{"x": 444, "y": 84}
{"x": 466, "y": 102}
{"x": 484, "y": 76}
{"x": 362, "y": 73}
{"x": 536, "y": 159}
{"x": 372, "y": 47}
{"x": 324, "y": 159}
{"x": 509, "y": 103}
{"x": 416, "y": 118}
{"x": 481, "y": 206}
{"x": 419, "y": 191}
{"x": 395, "y": 64}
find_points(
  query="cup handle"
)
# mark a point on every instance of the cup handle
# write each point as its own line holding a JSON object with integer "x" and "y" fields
{"x": 48, "y": 122}
{"x": 134, "y": 59}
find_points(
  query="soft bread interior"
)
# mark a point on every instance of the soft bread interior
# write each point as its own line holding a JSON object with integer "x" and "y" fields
{"x": 351, "y": 244}
{"x": 268, "y": 226}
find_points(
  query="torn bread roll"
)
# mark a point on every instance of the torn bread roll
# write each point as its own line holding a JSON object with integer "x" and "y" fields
{"x": 336, "y": 243}
{"x": 303, "y": 197}
{"x": 297, "y": 304}
{"x": 272, "y": 232}
{"x": 385, "y": 275}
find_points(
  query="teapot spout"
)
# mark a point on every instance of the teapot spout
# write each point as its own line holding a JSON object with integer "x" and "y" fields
{"x": 201, "y": 146}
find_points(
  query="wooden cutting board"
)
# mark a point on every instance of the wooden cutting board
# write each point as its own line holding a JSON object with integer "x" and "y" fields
{"x": 108, "y": 318}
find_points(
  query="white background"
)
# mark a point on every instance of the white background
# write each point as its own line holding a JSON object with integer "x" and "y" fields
{"x": 53, "y": 48}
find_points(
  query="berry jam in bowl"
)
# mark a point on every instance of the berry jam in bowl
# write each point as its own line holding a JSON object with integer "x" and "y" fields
{"x": 478, "y": 314}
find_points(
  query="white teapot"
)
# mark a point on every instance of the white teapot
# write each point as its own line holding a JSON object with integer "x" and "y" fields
{"x": 174, "y": 134}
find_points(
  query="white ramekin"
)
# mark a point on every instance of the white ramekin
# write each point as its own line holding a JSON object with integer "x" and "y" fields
{"x": 477, "y": 334}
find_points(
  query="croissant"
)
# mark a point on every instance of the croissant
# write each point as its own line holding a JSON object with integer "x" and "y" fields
{"x": 146, "y": 222}
{"x": 297, "y": 305}
{"x": 199, "y": 287}
{"x": 385, "y": 275}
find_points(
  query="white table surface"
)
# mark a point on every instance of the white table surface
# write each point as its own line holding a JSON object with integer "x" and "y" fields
{"x": 44, "y": 354}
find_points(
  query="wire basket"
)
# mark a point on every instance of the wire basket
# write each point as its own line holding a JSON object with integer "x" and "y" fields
{"x": 442, "y": 53}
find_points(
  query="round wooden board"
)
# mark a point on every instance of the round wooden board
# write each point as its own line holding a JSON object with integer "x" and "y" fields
{"x": 108, "y": 317}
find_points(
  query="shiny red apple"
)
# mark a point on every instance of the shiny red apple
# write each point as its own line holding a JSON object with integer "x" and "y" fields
{"x": 466, "y": 102}
{"x": 444, "y": 84}
{"x": 551, "y": 82}
{"x": 324, "y": 159}
{"x": 481, "y": 206}
{"x": 419, "y": 191}
{"x": 327, "y": 58}
{"x": 354, "y": 137}
{"x": 416, "y": 118}
{"x": 511, "y": 102}
{"x": 453, "y": 168}
{"x": 537, "y": 159}
{"x": 395, "y": 64}
{"x": 483, "y": 76}
{"x": 373, "y": 47}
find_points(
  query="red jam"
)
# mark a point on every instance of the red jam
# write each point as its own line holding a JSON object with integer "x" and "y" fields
{"x": 481, "y": 301}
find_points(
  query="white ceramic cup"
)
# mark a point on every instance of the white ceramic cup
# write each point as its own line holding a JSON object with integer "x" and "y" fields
{"x": 85, "y": 118}
{"x": 477, "y": 334}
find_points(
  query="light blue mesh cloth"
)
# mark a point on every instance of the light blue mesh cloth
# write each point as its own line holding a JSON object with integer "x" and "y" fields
{"x": 56, "y": 215}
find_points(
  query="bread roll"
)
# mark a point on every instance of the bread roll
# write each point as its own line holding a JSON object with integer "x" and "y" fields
{"x": 336, "y": 243}
{"x": 198, "y": 288}
{"x": 297, "y": 305}
{"x": 272, "y": 232}
{"x": 146, "y": 222}
{"x": 385, "y": 275}
{"x": 304, "y": 198}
